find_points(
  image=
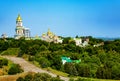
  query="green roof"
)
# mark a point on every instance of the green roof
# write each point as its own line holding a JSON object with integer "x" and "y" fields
{"x": 69, "y": 60}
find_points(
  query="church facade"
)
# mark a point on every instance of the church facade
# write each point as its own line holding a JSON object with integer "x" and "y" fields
{"x": 20, "y": 30}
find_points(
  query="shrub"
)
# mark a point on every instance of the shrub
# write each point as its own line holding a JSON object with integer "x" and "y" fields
{"x": 28, "y": 77}
{"x": 14, "y": 69}
{"x": 3, "y": 62}
{"x": 20, "y": 79}
{"x": 31, "y": 58}
{"x": 41, "y": 77}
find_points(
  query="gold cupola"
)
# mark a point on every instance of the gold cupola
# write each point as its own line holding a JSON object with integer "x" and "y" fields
{"x": 19, "y": 18}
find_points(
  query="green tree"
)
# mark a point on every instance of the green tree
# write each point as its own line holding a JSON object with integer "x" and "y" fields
{"x": 66, "y": 40}
{"x": 70, "y": 68}
{"x": 43, "y": 62}
{"x": 33, "y": 49}
{"x": 116, "y": 72}
{"x": 100, "y": 72}
{"x": 56, "y": 62}
{"x": 14, "y": 69}
{"x": 83, "y": 70}
{"x": 43, "y": 48}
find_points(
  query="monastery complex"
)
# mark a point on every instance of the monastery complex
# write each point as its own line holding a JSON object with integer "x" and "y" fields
{"x": 22, "y": 31}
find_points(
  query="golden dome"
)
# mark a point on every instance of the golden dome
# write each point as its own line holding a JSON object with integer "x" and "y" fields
{"x": 19, "y": 18}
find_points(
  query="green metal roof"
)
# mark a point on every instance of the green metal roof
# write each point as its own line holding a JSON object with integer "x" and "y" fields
{"x": 69, "y": 60}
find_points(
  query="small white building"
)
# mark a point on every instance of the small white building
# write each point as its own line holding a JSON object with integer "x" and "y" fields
{"x": 81, "y": 42}
{"x": 78, "y": 41}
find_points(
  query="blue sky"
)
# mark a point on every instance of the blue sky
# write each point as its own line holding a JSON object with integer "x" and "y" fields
{"x": 97, "y": 18}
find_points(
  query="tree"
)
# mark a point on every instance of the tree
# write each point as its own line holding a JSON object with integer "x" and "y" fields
{"x": 66, "y": 40}
{"x": 43, "y": 62}
{"x": 70, "y": 68}
{"x": 76, "y": 36}
{"x": 33, "y": 49}
{"x": 103, "y": 72}
{"x": 83, "y": 70}
{"x": 57, "y": 62}
{"x": 116, "y": 72}
{"x": 100, "y": 73}
{"x": 43, "y": 48}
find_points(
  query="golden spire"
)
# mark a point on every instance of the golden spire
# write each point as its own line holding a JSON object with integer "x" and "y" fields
{"x": 19, "y": 18}
{"x": 48, "y": 29}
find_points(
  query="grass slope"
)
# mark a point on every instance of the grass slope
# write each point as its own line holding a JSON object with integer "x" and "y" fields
{"x": 11, "y": 51}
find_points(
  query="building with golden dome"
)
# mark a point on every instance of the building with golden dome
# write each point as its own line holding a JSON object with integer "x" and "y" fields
{"x": 51, "y": 37}
{"x": 20, "y": 30}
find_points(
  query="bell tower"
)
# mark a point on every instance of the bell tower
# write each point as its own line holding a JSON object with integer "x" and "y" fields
{"x": 19, "y": 27}
{"x": 19, "y": 21}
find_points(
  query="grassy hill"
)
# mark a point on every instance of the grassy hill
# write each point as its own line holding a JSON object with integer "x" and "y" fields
{"x": 11, "y": 51}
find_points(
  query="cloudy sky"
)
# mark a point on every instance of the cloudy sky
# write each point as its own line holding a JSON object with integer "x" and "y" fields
{"x": 98, "y": 18}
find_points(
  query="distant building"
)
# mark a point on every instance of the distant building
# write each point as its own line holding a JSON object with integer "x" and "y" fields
{"x": 51, "y": 37}
{"x": 99, "y": 44}
{"x": 36, "y": 38}
{"x": 78, "y": 41}
{"x": 81, "y": 42}
{"x": 20, "y": 30}
{"x": 4, "y": 36}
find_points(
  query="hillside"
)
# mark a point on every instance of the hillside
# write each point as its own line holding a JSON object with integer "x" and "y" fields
{"x": 99, "y": 59}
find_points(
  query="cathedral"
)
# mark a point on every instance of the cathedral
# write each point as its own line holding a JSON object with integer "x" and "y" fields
{"x": 20, "y": 30}
{"x": 51, "y": 37}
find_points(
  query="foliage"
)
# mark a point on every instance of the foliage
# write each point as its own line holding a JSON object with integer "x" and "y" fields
{"x": 43, "y": 62}
{"x": 20, "y": 79}
{"x": 70, "y": 68}
{"x": 11, "y": 51}
{"x": 3, "y": 62}
{"x": 38, "y": 77}
{"x": 98, "y": 62}
{"x": 14, "y": 69}
{"x": 28, "y": 77}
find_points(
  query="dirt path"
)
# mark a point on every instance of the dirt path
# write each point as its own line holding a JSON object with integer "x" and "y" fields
{"x": 27, "y": 67}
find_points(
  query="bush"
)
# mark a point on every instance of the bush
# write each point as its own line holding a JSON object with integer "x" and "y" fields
{"x": 20, "y": 79}
{"x": 31, "y": 58}
{"x": 28, "y": 77}
{"x": 3, "y": 62}
{"x": 14, "y": 69}
{"x": 55, "y": 79}
{"x": 41, "y": 77}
